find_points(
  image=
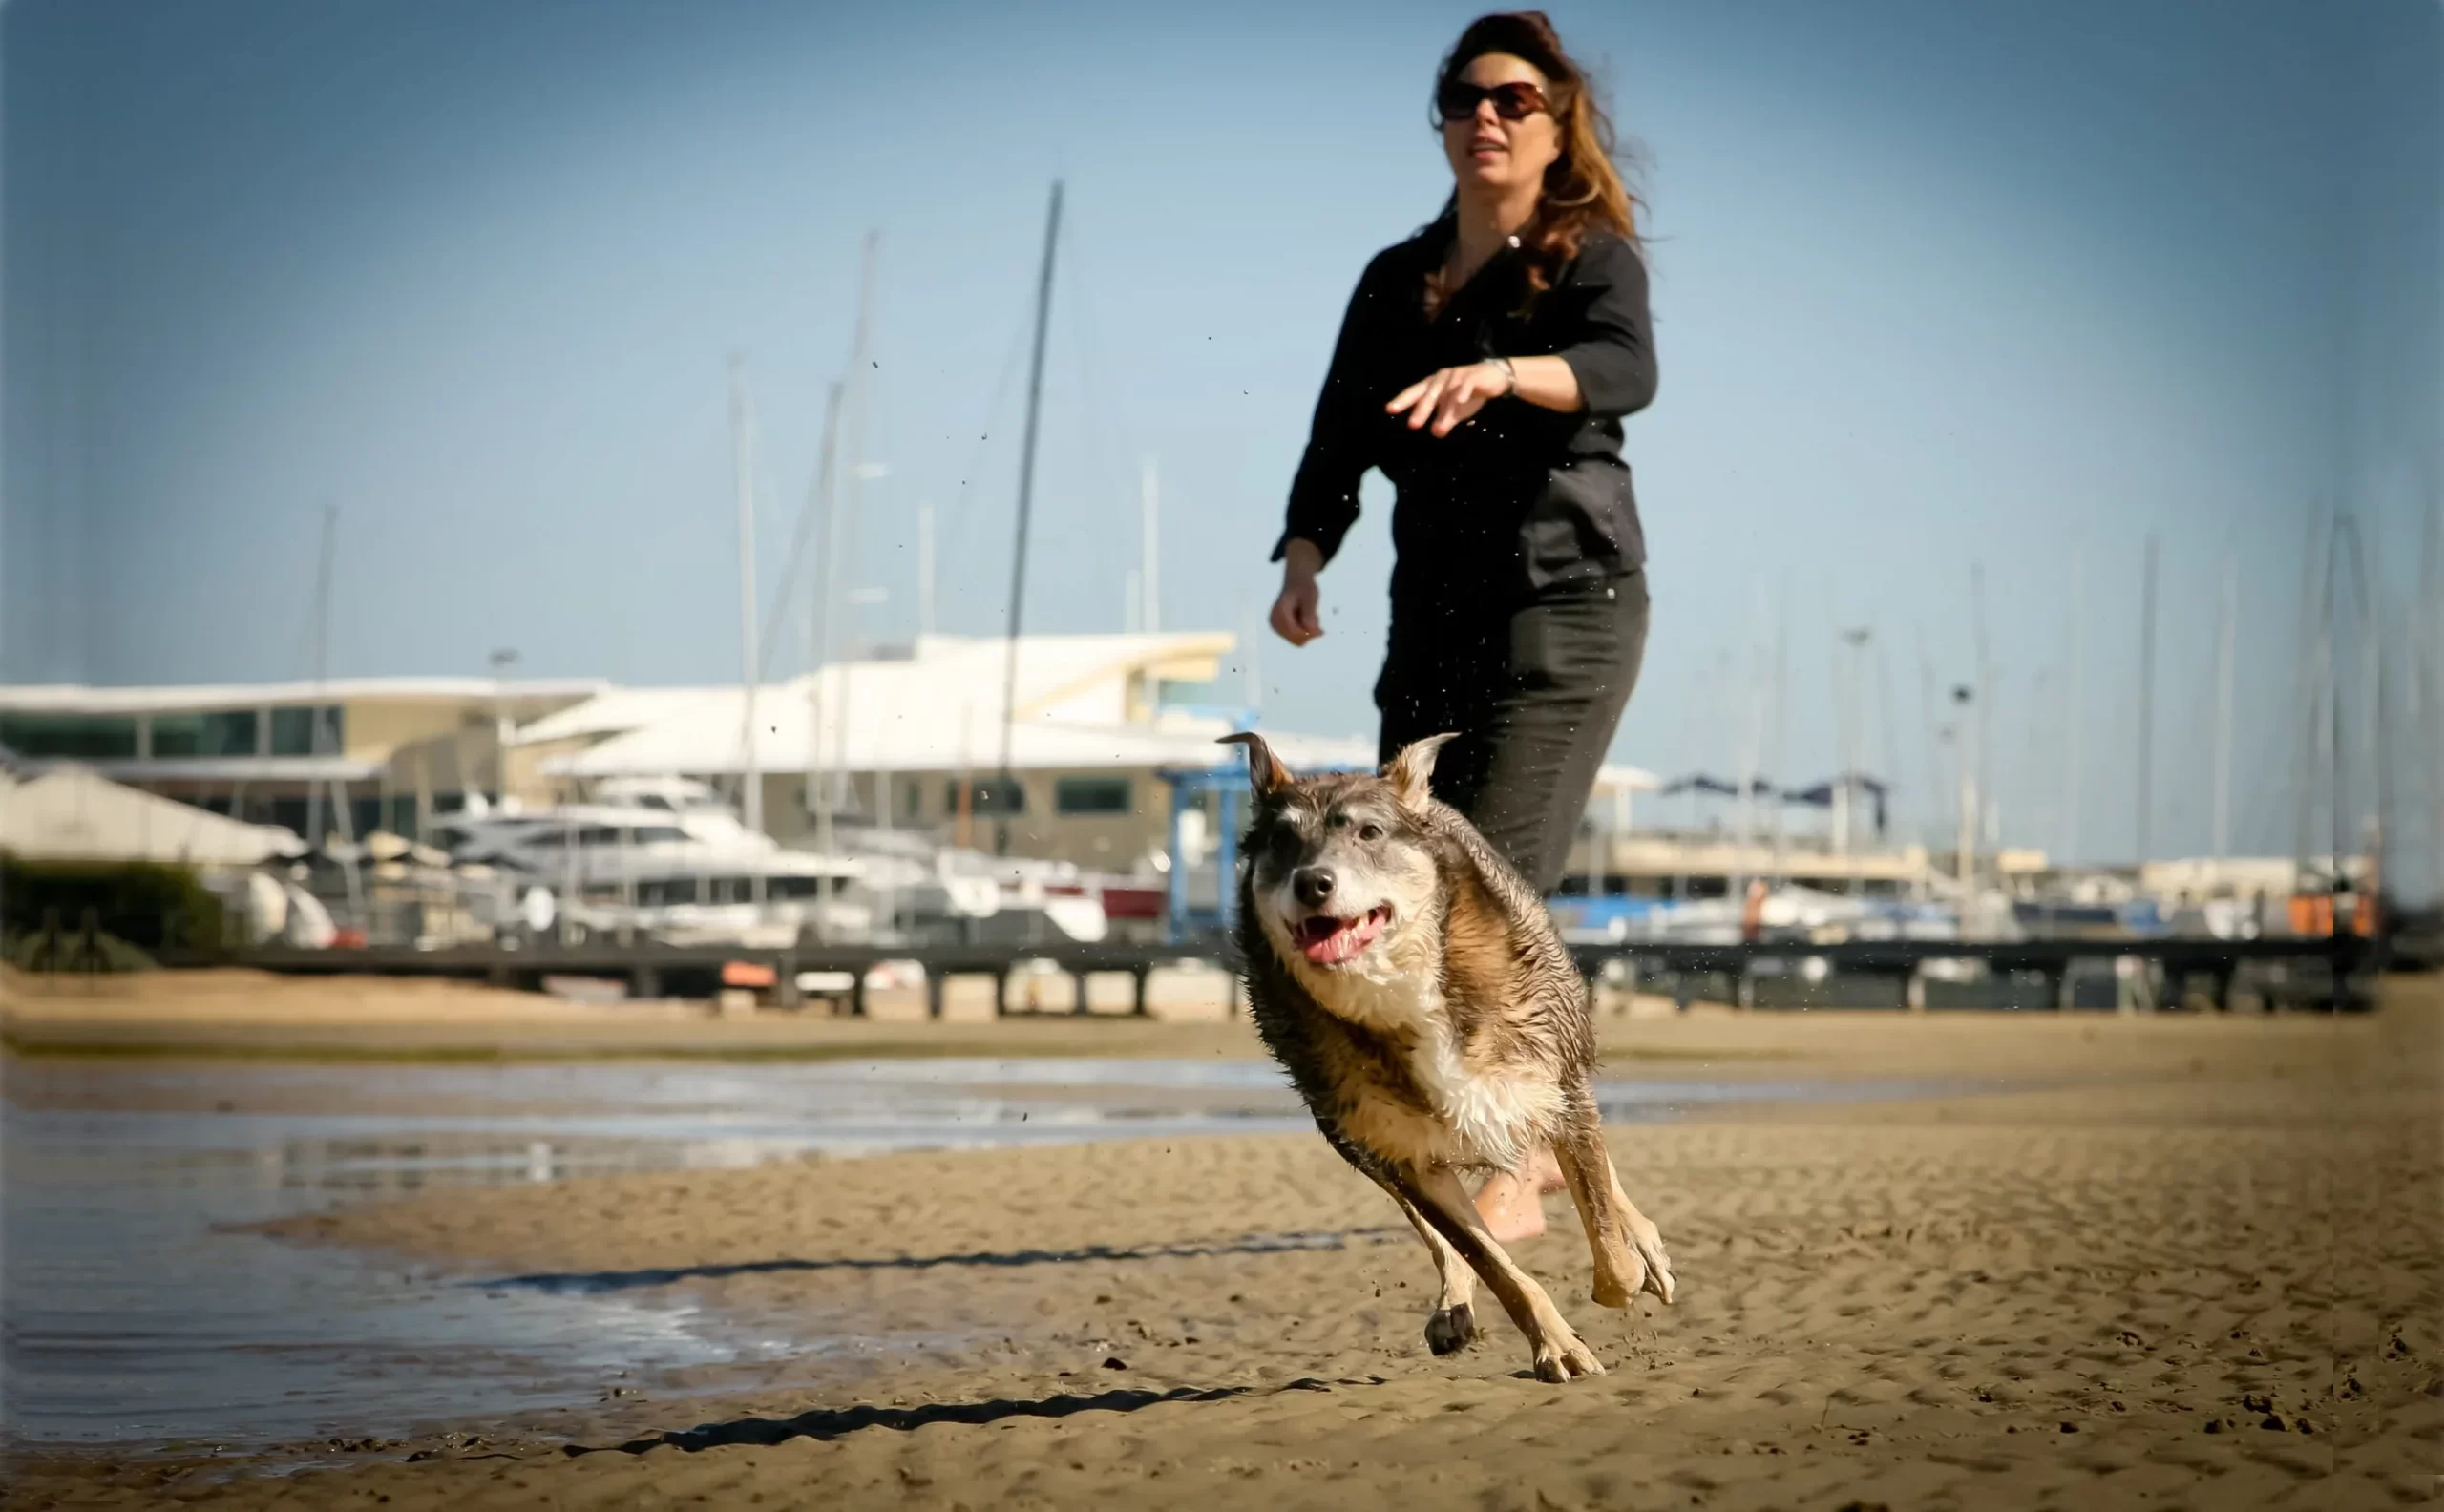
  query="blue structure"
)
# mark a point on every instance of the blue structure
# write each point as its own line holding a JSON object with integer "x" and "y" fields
{"x": 1231, "y": 782}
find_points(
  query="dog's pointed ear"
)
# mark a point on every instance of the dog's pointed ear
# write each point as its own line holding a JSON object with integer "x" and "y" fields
{"x": 1265, "y": 772}
{"x": 1412, "y": 771}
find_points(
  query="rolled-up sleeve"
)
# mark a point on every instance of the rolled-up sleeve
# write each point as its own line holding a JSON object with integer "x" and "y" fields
{"x": 1324, "y": 496}
{"x": 1612, "y": 354}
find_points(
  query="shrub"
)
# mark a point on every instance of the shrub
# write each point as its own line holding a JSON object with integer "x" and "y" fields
{"x": 146, "y": 904}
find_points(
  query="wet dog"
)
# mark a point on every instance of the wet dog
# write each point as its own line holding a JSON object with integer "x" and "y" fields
{"x": 1418, "y": 996}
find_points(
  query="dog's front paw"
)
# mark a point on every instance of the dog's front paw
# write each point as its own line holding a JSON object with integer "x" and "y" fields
{"x": 1565, "y": 1359}
{"x": 1648, "y": 1244}
{"x": 1647, "y": 1269}
{"x": 1451, "y": 1330}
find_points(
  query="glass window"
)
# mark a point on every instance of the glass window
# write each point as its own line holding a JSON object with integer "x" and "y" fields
{"x": 1171, "y": 693}
{"x": 293, "y": 731}
{"x": 988, "y": 797}
{"x": 1092, "y": 795}
{"x": 218, "y": 732}
{"x": 94, "y": 737}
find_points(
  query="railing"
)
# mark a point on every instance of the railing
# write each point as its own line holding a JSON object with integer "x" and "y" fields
{"x": 2323, "y": 971}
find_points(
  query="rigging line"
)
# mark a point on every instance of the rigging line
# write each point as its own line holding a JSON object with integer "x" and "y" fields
{"x": 955, "y": 518}
{"x": 818, "y": 497}
{"x": 1110, "y": 420}
{"x": 668, "y": 388}
{"x": 1883, "y": 704}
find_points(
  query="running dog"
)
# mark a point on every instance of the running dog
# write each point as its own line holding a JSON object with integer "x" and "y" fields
{"x": 1416, "y": 993}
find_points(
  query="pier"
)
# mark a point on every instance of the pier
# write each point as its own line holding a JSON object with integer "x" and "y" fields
{"x": 2312, "y": 970}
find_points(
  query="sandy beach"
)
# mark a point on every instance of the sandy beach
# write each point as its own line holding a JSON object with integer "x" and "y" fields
{"x": 2172, "y": 1262}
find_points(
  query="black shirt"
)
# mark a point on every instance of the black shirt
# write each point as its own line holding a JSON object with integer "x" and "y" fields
{"x": 1520, "y": 498}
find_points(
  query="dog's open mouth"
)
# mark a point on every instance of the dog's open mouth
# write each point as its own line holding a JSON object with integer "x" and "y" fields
{"x": 1330, "y": 941}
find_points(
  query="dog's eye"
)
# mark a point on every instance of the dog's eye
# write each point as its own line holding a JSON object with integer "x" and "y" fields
{"x": 1370, "y": 831}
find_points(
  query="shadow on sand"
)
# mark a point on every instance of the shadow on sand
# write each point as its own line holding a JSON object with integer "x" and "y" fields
{"x": 584, "y": 1282}
{"x": 833, "y": 1422}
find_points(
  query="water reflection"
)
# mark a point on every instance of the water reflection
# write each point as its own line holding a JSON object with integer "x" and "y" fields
{"x": 136, "y": 1310}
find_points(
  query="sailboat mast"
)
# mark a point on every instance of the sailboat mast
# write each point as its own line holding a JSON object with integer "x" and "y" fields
{"x": 1891, "y": 756}
{"x": 322, "y": 669}
{"x": 1938, "y": 787}
{"x": 1005, "y": 780}
{"x": 341, "y": 817}
{"x": 840, "y": 547}
{"x": 742, "y": 436}
{"x": 2226, "y": 629}
{"x": 818, "y": 650}
{"x": 1982, "y": 717}
{"x": 2368, "y": 610}
{"x": 2071, "y": 704}
{"x": 1849, "y": 662}
{"x": 2431, "y": 577}
{"x": 2308, "y": 694}
{"x": 2147, "y": 704}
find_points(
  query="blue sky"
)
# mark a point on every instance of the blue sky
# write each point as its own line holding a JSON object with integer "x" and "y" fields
{"x": 2006, "y": 285}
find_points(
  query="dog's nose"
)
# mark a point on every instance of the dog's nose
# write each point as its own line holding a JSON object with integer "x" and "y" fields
{"x": 1313, "y": 885}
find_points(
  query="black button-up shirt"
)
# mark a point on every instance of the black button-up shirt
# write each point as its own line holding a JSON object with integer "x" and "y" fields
{"x": 1520, "y": 498}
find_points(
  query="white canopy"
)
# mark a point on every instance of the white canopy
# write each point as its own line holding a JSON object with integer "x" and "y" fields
{"x": 71, "y": 814}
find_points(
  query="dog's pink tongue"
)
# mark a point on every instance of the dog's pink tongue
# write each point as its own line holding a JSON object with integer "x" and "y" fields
{"x": 1331, "y": 941}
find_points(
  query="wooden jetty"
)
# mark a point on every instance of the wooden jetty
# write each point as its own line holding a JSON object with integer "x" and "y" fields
{"x": 2318, "y": 971}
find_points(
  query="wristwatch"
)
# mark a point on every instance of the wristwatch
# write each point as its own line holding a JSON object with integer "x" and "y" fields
{"x": 1508, "y": 371}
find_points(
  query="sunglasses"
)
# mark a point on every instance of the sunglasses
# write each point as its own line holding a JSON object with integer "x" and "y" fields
{"x": 1459, "y": 99}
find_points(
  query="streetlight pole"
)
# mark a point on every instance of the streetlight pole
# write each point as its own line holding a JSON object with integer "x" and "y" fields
{"x": 502, "y": 660}
{"x": 1965, "y": 844}
{"x": 1844, "y": 814}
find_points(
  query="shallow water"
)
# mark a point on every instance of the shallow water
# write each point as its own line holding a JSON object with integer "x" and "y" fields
{"x": 135, "y": 1314}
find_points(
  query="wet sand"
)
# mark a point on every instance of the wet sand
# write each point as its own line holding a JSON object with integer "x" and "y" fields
{"x": 2185, "y": 1262}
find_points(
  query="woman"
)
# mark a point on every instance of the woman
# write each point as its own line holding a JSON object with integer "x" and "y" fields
{"x": 1483, "y": 367}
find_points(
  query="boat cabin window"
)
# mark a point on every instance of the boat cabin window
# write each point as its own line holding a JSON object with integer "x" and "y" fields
{"x": 776, "y": 888}
{"x": 598, "y": 837}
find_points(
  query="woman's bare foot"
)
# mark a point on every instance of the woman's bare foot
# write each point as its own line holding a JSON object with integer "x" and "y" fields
{"x": 1512, "y": 1203}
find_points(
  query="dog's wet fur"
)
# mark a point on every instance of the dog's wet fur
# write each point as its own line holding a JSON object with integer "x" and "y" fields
{"x": 1427, "y": 1012}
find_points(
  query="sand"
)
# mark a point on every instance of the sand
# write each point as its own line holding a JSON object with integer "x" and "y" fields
{"x": 2181, "y": 1262}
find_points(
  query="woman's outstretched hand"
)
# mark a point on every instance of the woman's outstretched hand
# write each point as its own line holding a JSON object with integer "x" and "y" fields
{"x": 1297, "y": 613}
{"x": 1450, "y": 398}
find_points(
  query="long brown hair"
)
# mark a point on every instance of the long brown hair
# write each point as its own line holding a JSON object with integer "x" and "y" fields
{"x": 1582, "y": 190}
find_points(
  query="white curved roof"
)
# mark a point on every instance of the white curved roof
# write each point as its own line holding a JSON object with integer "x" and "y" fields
{"x": 72, "y": 813}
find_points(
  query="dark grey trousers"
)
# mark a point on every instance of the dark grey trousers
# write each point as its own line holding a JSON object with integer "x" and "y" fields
{"x": 1534, "y": 700}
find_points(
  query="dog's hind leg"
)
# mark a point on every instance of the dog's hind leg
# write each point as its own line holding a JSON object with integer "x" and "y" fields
{"x": 1438, "y": 1196}
{"x": 1452, "y": 1325}
{"x": 1628, "y": 1249}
